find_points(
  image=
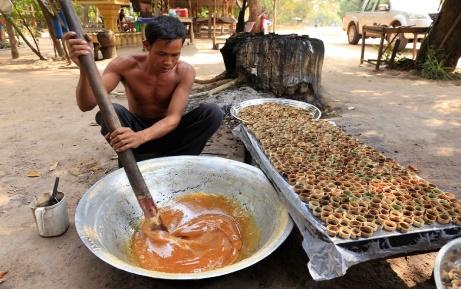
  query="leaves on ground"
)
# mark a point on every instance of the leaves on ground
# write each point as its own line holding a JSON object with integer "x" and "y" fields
{"x": 53, "y": 167}
{"x": 33, "y": 174}
{"x": 413, "y": 168}
{"x": 2, "y": 276}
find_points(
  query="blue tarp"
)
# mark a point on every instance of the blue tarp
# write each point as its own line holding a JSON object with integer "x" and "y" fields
{"x": 59, "y": 24}
{"x": 144, "y": 19}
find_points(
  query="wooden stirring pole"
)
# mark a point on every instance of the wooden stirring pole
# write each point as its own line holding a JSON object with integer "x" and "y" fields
{"x": 127, "y": 159}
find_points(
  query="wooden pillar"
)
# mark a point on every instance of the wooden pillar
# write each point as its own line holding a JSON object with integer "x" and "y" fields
{"x": 215, "y": 46}
{"x": 415, "y": 38}
{"x": 32, "y": 13}
{"x": 85, "y": 10}
{"x": 97, "y": 14}
{"x": 196, "y": 8}
{"x": 380, "y": 49}
{"x": 210, "y": 21}
{"x": 191, "y": 30}
{"x": 362, "y": 53}
{"x": 274, "y": 15}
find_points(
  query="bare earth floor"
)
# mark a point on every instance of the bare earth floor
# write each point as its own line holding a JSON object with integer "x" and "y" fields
{"x": 413, "y": 120}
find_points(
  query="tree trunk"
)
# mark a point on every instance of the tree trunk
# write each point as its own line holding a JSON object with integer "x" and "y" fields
{"x": 49, "y": 23}
{"x": 444, "y": 37}
{"x": 2, "y": 35}
{"x": 34, "y": 17}
{"x": 255, "y": 11}
{"x": 287, "y": 65}
{"x": 274, "y": 15}
{"x": 13, "y": 42}
{"x": 10, "y": 22}
{"x": 241, "y": 18}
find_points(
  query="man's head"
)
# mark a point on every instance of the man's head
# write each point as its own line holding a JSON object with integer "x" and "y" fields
{"x": 165, "y": 36}
{"x": 166, "y": 28}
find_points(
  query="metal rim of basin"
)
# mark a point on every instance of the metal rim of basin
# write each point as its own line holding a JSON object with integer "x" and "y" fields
{"x": 311, "y": 109}
{"x": 87, "y": 233}
{"x": 440, "y": 260}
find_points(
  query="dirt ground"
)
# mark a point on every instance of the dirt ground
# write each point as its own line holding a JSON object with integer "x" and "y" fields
{"x": 413, "y": 120}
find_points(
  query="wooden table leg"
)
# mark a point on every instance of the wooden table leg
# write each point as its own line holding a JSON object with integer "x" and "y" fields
{"x": 191, "y": 31}
{"x": 364, "y": 34}
{"x": 394, "y": 53}
{"x": 209, "y": 26}
{"x": 380, "y": 51}
{"x": 415, "y": 41}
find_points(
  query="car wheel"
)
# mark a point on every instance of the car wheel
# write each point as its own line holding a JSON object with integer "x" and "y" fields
{"x": 401, "y": 36}
{"x": 353, "y": 36}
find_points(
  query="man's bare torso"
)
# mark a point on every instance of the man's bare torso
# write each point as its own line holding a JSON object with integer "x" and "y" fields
{"x": 148, "y": 94}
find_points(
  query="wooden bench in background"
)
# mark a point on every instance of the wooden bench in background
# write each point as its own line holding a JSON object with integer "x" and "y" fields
{"x": 387, "y": 32}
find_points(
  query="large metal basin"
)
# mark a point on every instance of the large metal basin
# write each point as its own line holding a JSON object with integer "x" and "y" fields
{"x": 108, "y": 213}
{"x": 447, "y": 259}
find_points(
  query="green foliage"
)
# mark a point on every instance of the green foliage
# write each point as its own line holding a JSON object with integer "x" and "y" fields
{"x": 4, "y": 44}
{"x": 312, "y": 12}
{"x": 324, "y": 13}
{"x": 267, "y": 6}
{"x": 27, "y": 13}
{"x": 401, "y": 62}
{"x": 387, "y": 53}
{"x": 404, "y": 63}
{"x": 92, "y": 13}
{"x": 348, "y": 5}
{"x": 288, "y": 10}
{"x": 434, "y": 68}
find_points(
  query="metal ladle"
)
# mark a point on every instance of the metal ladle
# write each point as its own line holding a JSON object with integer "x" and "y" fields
{"x": 54, "y": 195}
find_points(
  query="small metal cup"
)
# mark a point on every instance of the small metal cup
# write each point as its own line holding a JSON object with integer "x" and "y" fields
{"x": 51, "y": 220}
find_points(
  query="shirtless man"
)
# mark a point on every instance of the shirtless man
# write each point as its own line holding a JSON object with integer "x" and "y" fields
{"x": 157, "y": 85}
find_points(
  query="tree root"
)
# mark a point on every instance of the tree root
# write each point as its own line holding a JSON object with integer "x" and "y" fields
{"x": 221, "y": 76}
{"x": 220, "y": 88}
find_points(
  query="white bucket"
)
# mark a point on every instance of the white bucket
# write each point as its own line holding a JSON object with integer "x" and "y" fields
{"x": 51, "y": 220}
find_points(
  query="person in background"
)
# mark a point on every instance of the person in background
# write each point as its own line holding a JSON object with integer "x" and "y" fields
{"x": 121, "y": 17}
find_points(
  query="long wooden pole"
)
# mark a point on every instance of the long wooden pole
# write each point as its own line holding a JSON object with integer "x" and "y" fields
{"x": 127, "y": 159}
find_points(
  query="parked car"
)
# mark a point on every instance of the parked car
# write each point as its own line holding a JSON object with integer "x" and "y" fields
{"x": 418, "y": 13}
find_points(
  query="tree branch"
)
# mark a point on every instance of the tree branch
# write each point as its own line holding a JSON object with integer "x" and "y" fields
{"x": 7, "y": 18}
{"x": 27, "y": 26}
